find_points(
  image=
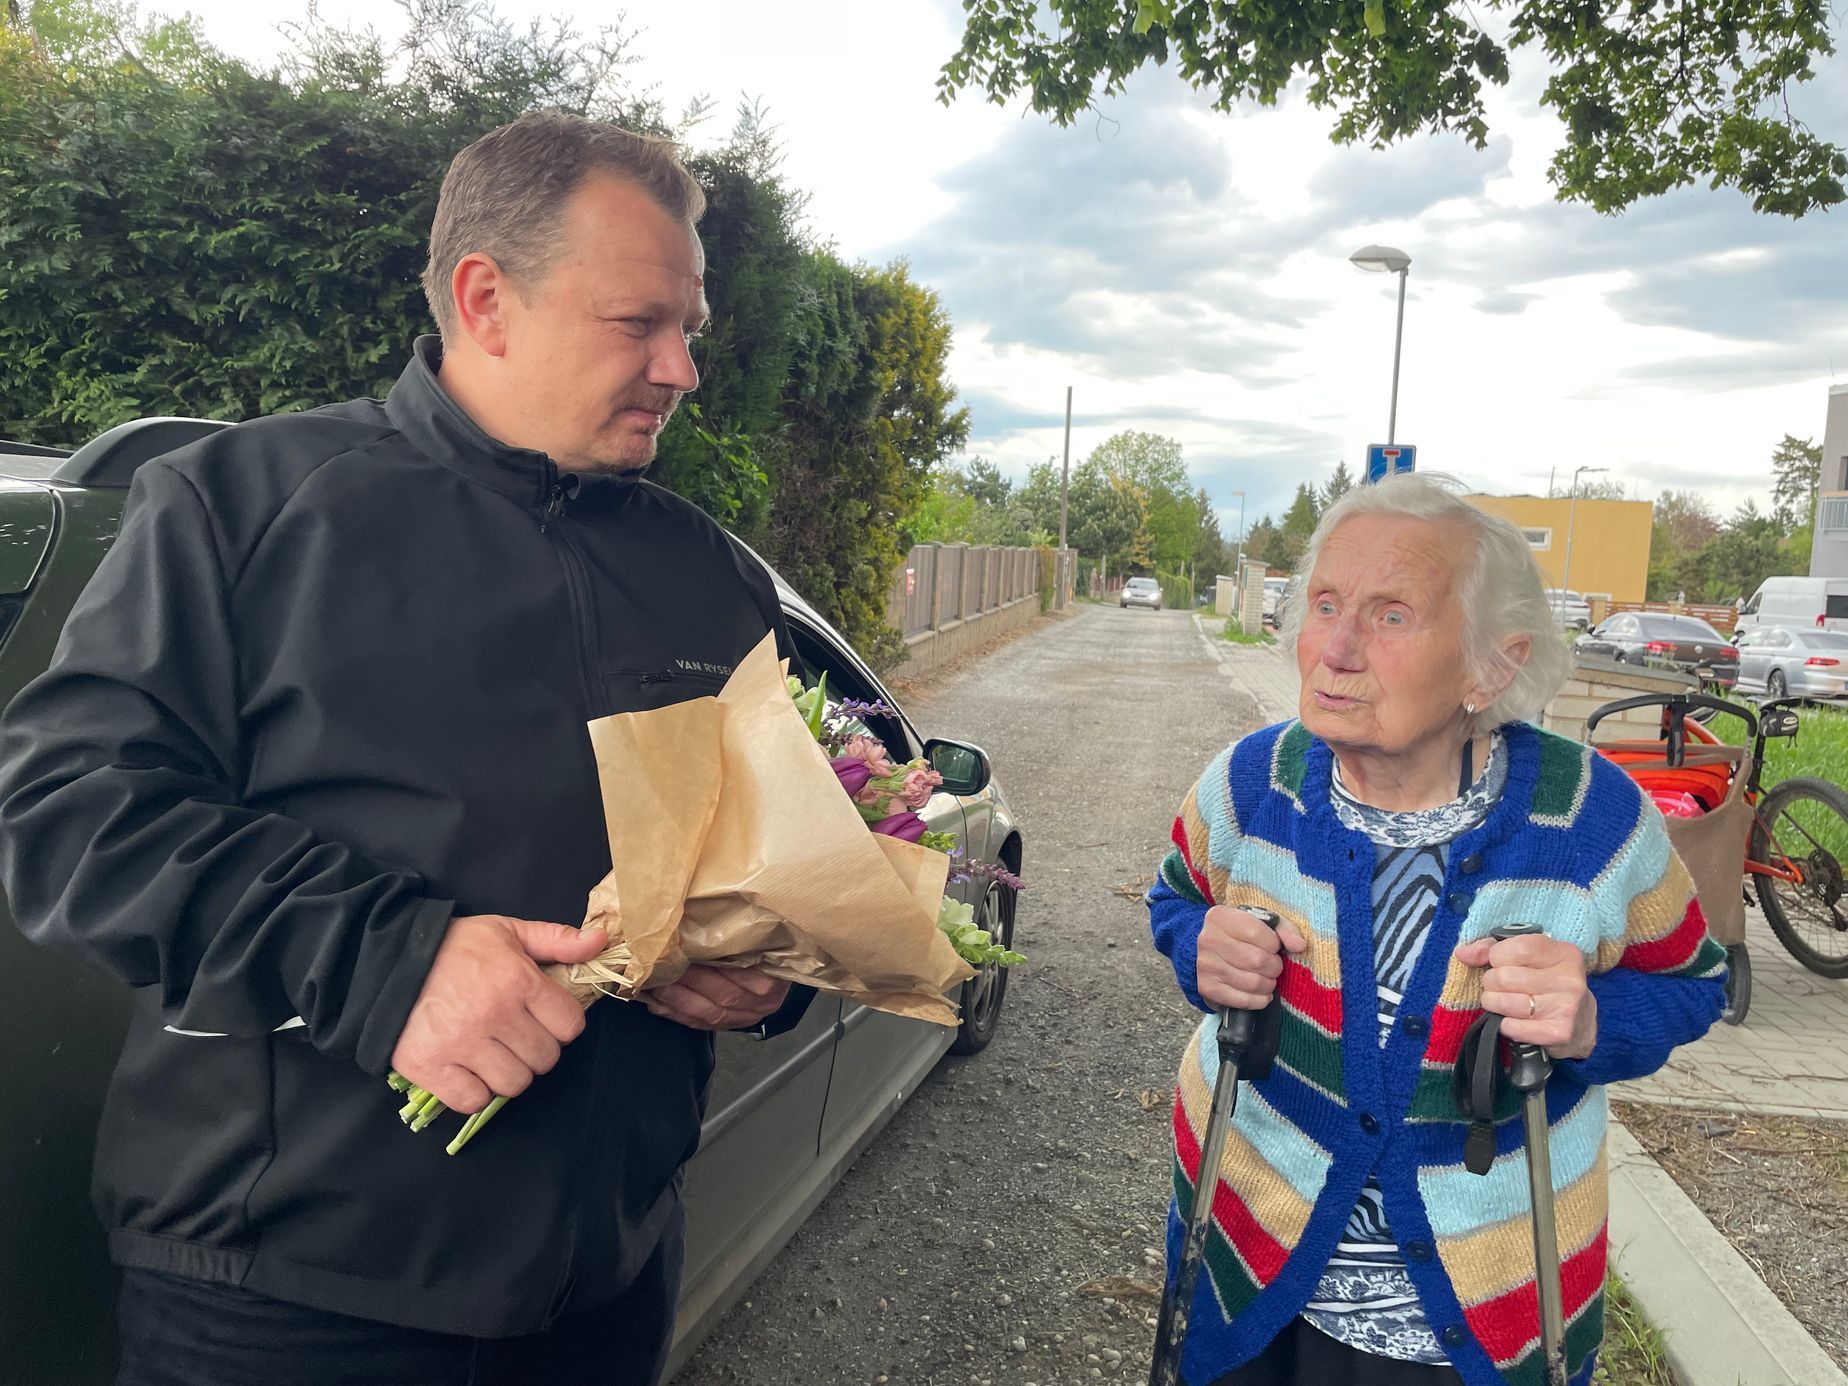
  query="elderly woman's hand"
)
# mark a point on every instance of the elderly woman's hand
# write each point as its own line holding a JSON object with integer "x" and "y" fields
{"x": 1538, "y": 983}
{"x": 1239, "y": 958}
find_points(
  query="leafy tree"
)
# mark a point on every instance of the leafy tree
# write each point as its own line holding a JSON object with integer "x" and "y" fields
{"x": 1262, "y": 541}
{"x": 1338, "y": 485}
{"x": 1212, "y": 555}
{"x": 1153, "y": 467}
{"x": 1796, "y": 472}
{"x": 983, "y": 481}
{"x": 1683, "y": 527}
{"x": 1652, "y": 97}
{"x": 1745, "y": 554}
{"x": 1299, "y": 523}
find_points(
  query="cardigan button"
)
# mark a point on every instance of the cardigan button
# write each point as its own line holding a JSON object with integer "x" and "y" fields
{"x": 1369, "y": 1123}
{"x": 1418, "y": 1251}
{"x": 1471, "y": 864}
{"x": 1457, "y": 902}
{"x": 1455, "y": 1335}
{"x": 1416, "y": 1026}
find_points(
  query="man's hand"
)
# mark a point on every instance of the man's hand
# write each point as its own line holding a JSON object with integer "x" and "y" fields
{"x": 488, "y": 1019}
{"x": 1240, "y": 958}
{"x": 717, "y": 998}
{"x": 1538, "y": 983}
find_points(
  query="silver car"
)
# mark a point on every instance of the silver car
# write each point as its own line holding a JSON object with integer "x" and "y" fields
{"x": 1788, "y": 661}
{"x": 1141, "y": 592}
{"x": 1570, "y": 609}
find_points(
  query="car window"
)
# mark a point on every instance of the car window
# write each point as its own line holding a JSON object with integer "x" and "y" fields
{"x": 845, "y": 680}
{"x": 1661, "y": 627}
{"x": 1823, "y": 639}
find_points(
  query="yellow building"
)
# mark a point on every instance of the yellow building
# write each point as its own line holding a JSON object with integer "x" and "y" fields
{"x": 1609, "y": 540}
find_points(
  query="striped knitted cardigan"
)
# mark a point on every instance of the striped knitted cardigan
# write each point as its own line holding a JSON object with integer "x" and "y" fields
{"x": 1572, "y": 846}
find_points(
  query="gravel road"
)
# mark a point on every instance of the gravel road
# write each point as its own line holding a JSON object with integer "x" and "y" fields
{"x": 1004, "y": 1228}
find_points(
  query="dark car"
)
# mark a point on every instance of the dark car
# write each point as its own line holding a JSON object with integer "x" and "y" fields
{"x": 1664, "y": 640}
{"x": 784, "y": 1119}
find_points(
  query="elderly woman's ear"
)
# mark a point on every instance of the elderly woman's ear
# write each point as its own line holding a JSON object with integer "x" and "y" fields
{"x": 1515, "y": 650}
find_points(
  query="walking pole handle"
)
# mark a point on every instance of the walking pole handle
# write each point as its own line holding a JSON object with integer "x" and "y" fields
{"x": 1245, "y": 1038}
{"x": 1529, "y": 1065}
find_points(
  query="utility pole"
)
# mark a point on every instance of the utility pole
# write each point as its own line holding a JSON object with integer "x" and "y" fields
{"x": 1065, "y": 473}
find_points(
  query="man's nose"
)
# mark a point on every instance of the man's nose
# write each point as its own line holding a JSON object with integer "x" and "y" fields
{"x": 673, "y": 368}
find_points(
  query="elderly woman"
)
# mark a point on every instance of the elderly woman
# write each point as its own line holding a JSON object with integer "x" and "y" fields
{"x": 1409, "y": 811}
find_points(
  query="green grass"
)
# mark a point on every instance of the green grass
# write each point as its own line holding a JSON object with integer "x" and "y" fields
{"x": 1633, "y": 1352}
{"x": 1236, "y": 634}
{"x": 1819, "y": 749}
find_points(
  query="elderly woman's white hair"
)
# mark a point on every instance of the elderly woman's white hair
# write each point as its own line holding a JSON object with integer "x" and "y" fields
{"x": 1498, "y": 586}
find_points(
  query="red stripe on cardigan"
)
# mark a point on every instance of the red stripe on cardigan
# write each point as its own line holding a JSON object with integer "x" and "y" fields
{"x": 1262, "y": 1253}
{"x": 1179, "y": 836}
{"x": 1509, "y": 1324}
{"x": 1448, "y": 1027}
{"x": 1308, "y": 997}
{"x": 1673, "y": 949}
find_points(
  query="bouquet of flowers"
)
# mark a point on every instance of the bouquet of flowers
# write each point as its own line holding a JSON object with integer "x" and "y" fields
{"x": 734, "y": 845}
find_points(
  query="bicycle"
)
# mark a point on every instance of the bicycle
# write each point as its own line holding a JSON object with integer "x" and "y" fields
{"x": 1795, "y": 834}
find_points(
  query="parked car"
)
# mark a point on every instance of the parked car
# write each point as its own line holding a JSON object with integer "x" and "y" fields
{"x": 784, "y": 1119}
{"x": 1665, "y": 640}
{"x": 1570, "y": 609}
{"x": 1276, "y": 591}
{"x": 1780, "y": 661}
{"x": 1140, "y": 592}
{"x": 1797, "y": 603}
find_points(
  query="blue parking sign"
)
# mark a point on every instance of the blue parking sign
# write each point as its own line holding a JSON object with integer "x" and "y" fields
{"x": 1386, "y": 458}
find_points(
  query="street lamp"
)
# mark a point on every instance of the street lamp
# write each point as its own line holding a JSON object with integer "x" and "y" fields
{"x": 1383, "y": 258}
{"x": 1238, "y": 562}
{"x": 1565, "y": 582}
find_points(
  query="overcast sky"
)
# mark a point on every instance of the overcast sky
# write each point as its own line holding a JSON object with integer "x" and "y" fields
{"x": 1186, "y": 270}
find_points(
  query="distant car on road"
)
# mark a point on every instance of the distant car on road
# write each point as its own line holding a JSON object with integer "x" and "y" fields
{"x": 1276, "y": 589}
{"x": 1663, "y": 639}
{"x": 1570, "y": 608}
{"x": 1793, "y": 661}
{"x": 1141, "y": 592}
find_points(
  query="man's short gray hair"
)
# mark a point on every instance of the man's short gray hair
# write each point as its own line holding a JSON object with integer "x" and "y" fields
{"x": 504, "y": 196}
{"x": 1498, "y": 586}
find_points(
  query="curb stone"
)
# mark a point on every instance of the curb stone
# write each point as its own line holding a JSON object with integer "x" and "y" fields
{"x": 1721, "y": 1324}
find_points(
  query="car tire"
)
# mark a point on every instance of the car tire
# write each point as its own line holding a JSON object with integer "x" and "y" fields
{"x": 982, "y": 994}
{"x": 1775, "y": 687}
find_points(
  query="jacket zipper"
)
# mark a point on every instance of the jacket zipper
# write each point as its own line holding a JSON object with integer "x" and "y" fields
{"x": 560, "y": 491}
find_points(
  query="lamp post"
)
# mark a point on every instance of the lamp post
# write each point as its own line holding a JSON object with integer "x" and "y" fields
{"x": 1565, "y": 582}
{"x": 1378, "y": 258}
{"x": 1238, "y": 561}
{"x": 1065, "y": 471}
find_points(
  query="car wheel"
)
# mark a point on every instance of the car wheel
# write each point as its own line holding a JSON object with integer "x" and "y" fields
{"x": 983, "y": 993}
{"x": 1775, "y": 687}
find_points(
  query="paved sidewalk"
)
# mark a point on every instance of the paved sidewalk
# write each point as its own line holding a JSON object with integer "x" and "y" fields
{"x": 1790, "y": 1056}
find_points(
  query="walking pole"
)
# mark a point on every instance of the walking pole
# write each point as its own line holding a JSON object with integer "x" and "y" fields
{"x": 1246, "y": 1048}
{"x": 1530, "y": 1066}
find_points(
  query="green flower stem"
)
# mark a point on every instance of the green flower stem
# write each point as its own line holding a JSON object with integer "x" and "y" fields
{"x": 398, "y": 1082}
{"x": 432, "y": 1109}
{"x": 474, "y": 1124}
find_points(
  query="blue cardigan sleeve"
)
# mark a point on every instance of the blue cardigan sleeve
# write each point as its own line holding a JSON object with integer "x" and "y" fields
{"x": 1183, "y": 891}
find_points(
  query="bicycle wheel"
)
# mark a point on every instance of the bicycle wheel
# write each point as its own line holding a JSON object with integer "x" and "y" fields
{"x": 1807, "y": 821}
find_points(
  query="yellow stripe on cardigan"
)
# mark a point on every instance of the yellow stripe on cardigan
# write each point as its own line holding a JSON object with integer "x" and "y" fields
{"x": 1279, "y": 1209}
{"x": 1654, "y": 913}
{"x": 1497, "y": 1259}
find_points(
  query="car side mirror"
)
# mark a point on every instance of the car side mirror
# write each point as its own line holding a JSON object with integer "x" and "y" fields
{"x": 965, "y": 768}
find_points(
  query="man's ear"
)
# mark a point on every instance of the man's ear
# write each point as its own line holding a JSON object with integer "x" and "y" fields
{"x": 479, "y": 293}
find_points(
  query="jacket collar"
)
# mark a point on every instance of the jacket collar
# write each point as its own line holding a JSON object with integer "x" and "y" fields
{"x": 423, "y": 411}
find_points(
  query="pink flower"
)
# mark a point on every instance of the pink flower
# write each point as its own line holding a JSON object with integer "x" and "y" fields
{"x": 919, "y": 782}
{"x": 852, "y": 774}
{"x": 869, "y": 750}
{"x": 906, "y": 825}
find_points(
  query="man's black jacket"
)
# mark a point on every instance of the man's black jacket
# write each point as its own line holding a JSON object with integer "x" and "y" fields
{"x": 328, "y": 690}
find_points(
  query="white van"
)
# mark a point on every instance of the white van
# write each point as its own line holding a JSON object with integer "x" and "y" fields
{"x": 1802, "y": 602}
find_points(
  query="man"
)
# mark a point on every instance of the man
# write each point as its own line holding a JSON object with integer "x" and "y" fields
{"x": 310, "y": 771}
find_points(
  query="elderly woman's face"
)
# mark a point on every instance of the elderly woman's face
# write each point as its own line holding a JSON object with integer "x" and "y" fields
{"x": 1381, "y": 646}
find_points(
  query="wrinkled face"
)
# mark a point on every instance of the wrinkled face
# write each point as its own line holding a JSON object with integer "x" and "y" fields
{"x": 596, "y": 351}
{"x": 1382, "y": 640}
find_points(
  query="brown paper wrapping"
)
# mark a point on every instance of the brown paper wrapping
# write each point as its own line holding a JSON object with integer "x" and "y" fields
{"x": 734, "y": 844}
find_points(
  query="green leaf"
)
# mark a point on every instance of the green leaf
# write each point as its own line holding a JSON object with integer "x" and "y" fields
{"x": 1149, "y": 13}
{"x": 1376, "y": 18}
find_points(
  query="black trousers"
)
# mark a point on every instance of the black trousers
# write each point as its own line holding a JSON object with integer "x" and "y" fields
{"x": 1303, "y": 1355}
{"x": 181, "y": 1332}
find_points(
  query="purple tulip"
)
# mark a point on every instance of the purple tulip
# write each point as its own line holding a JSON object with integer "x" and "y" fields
{"x": 852, "y": 772}
{"x": 906, "y": 825}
